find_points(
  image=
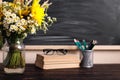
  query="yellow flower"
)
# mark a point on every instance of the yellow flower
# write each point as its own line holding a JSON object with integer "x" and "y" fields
{"x": 37, "y": 12}
{"x": 1, "y": 14}
{"x": 24, "y": 12}
{"x": 20, "y": 13}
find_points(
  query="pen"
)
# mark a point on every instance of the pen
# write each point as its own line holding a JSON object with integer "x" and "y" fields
{"x": 92, "y": 44}
{"x": 78, "y": 44}
{"x": 85, "y": 45}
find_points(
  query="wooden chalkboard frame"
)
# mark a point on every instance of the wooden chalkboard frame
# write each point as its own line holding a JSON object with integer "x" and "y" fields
{"x": 71, "y": 47}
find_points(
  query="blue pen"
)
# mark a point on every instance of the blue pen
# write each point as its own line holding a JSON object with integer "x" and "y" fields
{"x": 78, "y": 44}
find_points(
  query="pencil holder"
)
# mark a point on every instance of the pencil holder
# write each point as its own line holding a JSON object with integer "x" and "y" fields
{"x": 87, "y": 59}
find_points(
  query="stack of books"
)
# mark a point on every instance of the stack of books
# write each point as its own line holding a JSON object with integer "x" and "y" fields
{"x": 58, "y": 61}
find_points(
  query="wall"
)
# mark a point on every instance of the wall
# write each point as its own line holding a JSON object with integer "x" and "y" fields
{"x": 102, "y": 54}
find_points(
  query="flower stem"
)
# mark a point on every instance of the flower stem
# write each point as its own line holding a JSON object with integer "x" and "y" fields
{"x": 14, "y": 59}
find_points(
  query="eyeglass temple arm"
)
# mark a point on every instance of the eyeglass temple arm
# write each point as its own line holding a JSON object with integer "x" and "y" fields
{"x": 64, "y": 51}
{"x": 46, "y": 51}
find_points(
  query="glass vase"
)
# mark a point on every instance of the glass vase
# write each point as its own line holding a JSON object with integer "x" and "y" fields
{"x": 14, "y": 57}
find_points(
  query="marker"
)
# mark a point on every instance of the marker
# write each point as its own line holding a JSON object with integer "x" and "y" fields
{"x": 78, "y": 44}
{"x": 92, "y": 44}
{"x": 85, "y": 45}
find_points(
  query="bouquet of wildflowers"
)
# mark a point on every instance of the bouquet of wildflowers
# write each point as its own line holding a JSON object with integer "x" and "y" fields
{"x": 20, "y": 18}
{"x": 17, "y": 19}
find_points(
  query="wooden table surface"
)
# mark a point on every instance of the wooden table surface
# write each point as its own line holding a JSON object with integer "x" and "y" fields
{"x": 98, "y": 72}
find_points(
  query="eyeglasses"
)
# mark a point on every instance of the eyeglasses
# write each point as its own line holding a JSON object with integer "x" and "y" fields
{"x": 52, "y": 51}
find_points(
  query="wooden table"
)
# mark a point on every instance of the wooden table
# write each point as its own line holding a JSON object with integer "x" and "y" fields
{"x": 98, "y": 72}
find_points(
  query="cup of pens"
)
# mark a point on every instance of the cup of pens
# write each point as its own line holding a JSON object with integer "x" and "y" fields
{"x": 87, "y": 59}
{"x": 87, "y": 52}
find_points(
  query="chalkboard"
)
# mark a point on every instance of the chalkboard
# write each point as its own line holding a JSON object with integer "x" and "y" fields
{"x": 81, "y": 19}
